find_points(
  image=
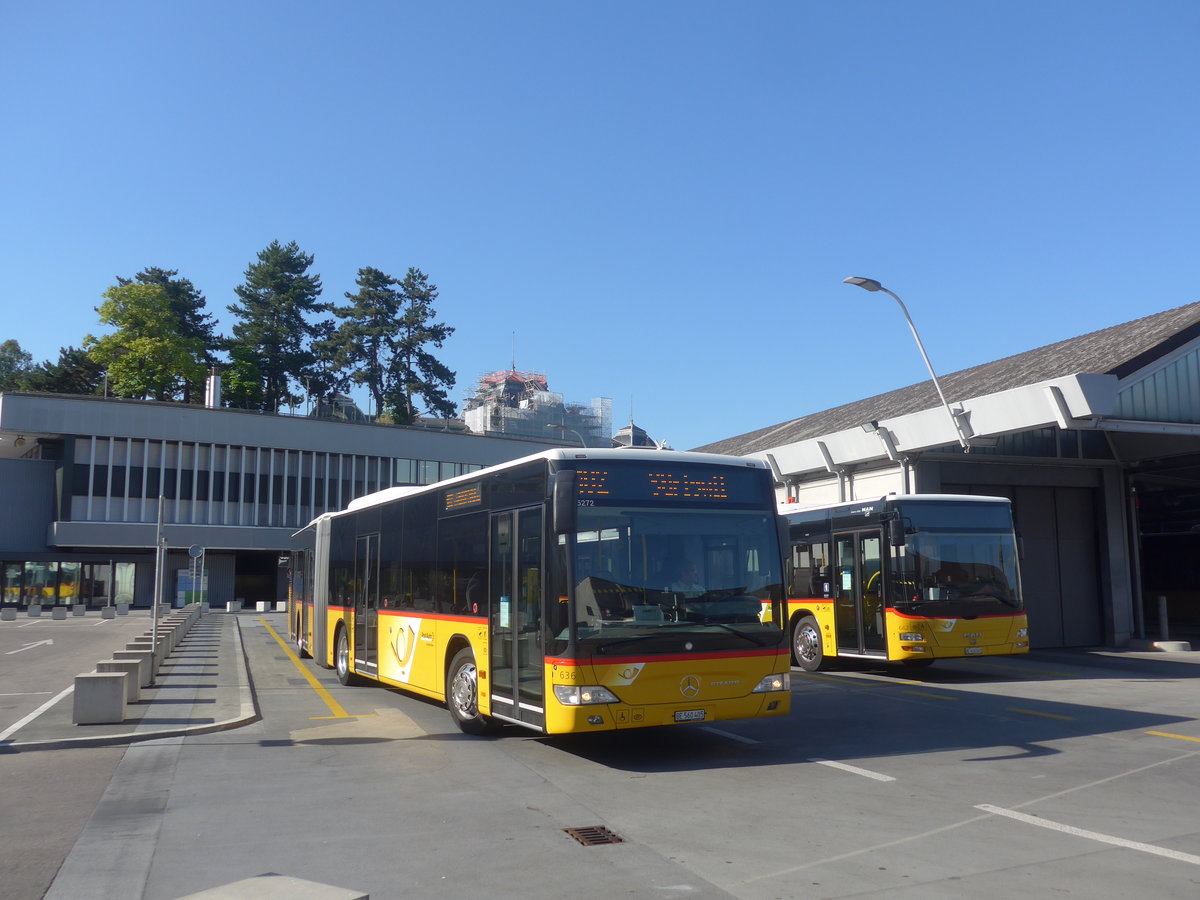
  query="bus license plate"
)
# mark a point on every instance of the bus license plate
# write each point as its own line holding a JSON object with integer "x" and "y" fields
{"x": 973, "y": 651}
{"x": 689, "y": 715}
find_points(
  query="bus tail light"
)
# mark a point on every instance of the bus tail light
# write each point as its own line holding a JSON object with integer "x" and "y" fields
{"x": 781, "y": 681}
{"x": 584, "y": 695}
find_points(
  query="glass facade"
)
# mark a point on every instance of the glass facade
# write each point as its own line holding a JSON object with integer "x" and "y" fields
{"x": 120, "y": 480}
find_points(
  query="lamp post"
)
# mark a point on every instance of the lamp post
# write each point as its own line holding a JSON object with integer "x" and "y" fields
{"x": 564, "y": 429}
{"x": 870, "y": 284}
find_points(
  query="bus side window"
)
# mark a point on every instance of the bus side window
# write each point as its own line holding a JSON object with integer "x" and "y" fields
{"x": 810, "y": 570}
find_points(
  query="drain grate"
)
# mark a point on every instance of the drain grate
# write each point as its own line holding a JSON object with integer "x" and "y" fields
{"x": 594, "y": 835}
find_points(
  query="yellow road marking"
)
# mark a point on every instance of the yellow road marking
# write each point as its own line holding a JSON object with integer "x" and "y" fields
{"x": 322, "y": 691}
{"x": 1178, "y": 737}
{"x": 931, "y": 696}
{"x": 1044, "y": 715}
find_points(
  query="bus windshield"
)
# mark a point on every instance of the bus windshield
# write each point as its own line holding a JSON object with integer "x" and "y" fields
{"x": 958, "y": 561}
{"x": 644, "y": 574}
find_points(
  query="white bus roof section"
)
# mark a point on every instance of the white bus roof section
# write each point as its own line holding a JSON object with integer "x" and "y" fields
{"x": 666, "y": 457}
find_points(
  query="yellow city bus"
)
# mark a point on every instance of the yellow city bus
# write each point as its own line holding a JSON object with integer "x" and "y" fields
{"x": 905, "y": 578}
{"x": 545, "y": 592}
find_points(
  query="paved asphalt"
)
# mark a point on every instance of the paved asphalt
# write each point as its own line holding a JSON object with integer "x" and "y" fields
{"x": 223, "y": 771}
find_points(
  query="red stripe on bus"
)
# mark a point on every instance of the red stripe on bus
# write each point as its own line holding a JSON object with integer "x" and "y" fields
{"x": 669, "y": 657}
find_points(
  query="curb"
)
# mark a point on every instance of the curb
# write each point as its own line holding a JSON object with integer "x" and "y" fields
{"x": 248, "y": 713}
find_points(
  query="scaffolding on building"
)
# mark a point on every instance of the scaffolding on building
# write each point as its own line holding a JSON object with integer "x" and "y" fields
{"x": 521, "y": 404}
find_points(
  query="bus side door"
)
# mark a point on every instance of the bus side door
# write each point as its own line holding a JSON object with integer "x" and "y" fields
{"x": 366, "y": 604}
{"x": 517, "y": 671}
{"x": 858, "y": 593}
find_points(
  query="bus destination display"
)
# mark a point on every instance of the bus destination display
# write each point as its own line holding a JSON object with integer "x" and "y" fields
{"x": 699, "y": 484}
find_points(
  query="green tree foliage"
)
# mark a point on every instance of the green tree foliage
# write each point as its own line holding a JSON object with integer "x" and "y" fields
{"x": 276, "y": 303}
{"x": 242, "y": 381}
{"x": 417, "y": 372}
{"x": 189, "y": 308}
{"x": 364, "y": 343}
{"x": 15, "y": 366}
{"x": 147, "y": 356}
{"x": 74, "y": 373}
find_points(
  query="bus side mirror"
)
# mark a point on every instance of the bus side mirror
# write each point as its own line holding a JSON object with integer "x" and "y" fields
{"x": 896, "y": 532}
{"x": 564, "y": 502}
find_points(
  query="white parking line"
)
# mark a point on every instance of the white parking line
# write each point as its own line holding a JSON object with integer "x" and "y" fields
{"x": 1091, "y": 835}
{"x": 854, "y": 770}
{"x": 14, "y": 728}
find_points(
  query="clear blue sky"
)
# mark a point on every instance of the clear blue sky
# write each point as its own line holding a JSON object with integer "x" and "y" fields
{"x": 660, "y": 199}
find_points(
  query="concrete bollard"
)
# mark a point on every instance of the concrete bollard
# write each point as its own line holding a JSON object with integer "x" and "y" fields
{"x": 260, "y": 606}
{"x": 145, "y": 659}
{"x": 8, "y": 614}
{"x": 99, "y": 698}
{"x": 59, "y": 612}
{"x": 280, "y": 606}
{"x": 78, "y": 609}
{"x": 122, "y": 609}
{"x": 130, "y": 667}
{"x": 34, "y": 610}
{"x": 108, "y": 612}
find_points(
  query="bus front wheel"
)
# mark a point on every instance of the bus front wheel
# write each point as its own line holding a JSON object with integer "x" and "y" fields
{"x": 806, "y": 644}
{"x": 462, "y": 694}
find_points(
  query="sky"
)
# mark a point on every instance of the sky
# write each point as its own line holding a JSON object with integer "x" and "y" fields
{"x": 654, "y": 202}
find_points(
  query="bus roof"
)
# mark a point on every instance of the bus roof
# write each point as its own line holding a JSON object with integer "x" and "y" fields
{"x": 563, "y": 453}
{"x": 786, "y": 508}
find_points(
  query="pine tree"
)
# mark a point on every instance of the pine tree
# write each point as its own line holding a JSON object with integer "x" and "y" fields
{"x": 276, "y": 303}
{"x": 416, "y": 371}
{"x": 362, "y": 345}
{"x": 74, "y": 373}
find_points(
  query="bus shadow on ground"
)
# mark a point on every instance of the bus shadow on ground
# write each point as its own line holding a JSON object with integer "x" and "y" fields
{"x": 863, "y": 721}
{"x": 1090, "y": 665}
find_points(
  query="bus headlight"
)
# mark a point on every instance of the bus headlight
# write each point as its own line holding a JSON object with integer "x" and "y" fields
{"x": 912, "y": 636}
{"x": 1022, "y": 632}
{"x": 781, "y": 681}
{"x": 584, "y": 695}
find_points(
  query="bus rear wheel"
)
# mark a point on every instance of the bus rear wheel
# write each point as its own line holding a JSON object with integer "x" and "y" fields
{"x": 807, "y": 648}
{"x": 341, "y": 659}
{"x": 462, "y": 694}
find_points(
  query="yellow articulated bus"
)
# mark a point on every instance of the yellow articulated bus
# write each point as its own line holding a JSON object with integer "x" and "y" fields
{"x": 570, "y": 591}
{"x": 905, "y": 578}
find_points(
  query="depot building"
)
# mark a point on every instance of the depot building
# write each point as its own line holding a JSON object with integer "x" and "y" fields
{"x": 1095, "y": 440}
{"x": 81, "y": 478}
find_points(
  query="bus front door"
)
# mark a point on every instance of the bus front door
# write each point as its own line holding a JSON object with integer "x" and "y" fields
{"x": 858, "y": 594}
{"x": 515, "y": 578}
{"x": 366, "y": 604}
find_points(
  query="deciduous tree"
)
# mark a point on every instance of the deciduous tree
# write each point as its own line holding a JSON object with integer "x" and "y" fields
{"x": 147, "y": 356}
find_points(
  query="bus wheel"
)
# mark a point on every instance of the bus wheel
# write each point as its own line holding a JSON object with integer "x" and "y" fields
{"x": 462, "y": 694}
{"x": 341, "y": 659}
{"x": 300, "y": 651}
{"x": 806, "y": 644}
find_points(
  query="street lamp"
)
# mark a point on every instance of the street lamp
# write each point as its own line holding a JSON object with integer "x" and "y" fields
{"x": 564, "y": 429}
{"x": 870, "y": 284}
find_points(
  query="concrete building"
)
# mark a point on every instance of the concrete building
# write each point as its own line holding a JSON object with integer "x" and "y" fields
{"x": 1096, "y": 440}
{"x": 81, "y": 477}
